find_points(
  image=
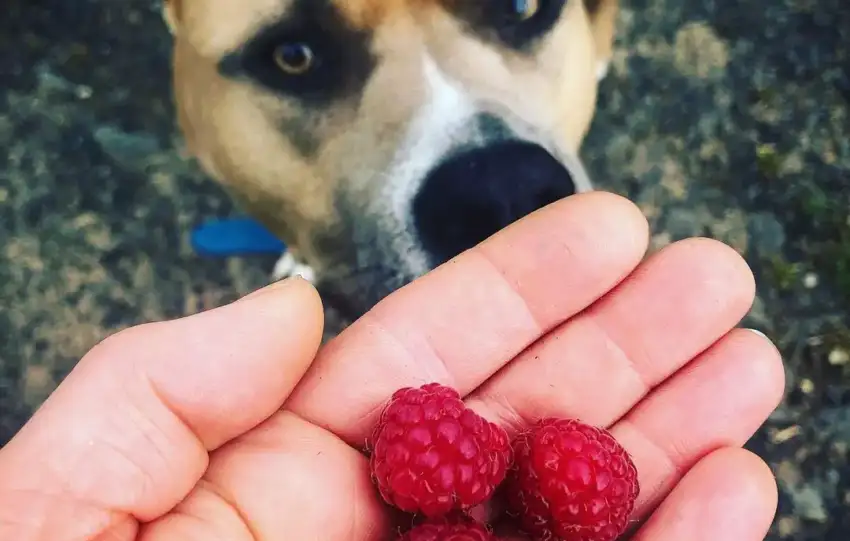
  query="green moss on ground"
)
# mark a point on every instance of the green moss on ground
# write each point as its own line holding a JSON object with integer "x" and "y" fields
{"x": 828, "y": 214}
{"x": 783, "y": 274}
{"x": 821, "y": 221}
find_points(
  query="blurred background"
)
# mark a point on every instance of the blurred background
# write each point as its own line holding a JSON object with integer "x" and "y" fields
{"x": 723, "y": 118}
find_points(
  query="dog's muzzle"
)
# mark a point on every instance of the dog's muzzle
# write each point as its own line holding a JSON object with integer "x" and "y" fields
{"x": 476, "y": 192}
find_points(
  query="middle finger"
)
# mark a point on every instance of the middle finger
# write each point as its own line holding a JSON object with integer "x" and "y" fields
{"x": 598, "y": 365}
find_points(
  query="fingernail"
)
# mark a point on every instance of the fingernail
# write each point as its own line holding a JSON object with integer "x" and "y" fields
{"x": 759, "y": 333}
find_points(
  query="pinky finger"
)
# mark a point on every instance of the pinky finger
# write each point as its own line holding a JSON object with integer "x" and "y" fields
{"x": 729, "y": 494}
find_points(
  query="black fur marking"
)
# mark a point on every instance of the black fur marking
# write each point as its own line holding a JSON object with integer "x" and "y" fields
{"x": 496, "y": 20}
{"x": 301, "y": 133}
{"x": 493, "y": 128}
{"x": 343, "y": 60}
{"x": 592, "y": 6}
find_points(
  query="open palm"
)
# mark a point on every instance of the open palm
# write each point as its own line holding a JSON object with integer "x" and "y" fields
{"x": 224, "y": 426}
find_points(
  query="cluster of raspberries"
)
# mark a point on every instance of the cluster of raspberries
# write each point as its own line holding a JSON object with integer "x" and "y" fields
{"x": 559, "y": 480}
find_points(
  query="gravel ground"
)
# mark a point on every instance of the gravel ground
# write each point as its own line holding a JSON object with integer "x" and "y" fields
{"x": 720, "y": 118}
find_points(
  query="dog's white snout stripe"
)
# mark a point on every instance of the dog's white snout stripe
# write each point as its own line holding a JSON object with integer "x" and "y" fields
{"x": 448, "y": 104}
{"x": 444, "y": 113}
{"x": 440, "y": 120}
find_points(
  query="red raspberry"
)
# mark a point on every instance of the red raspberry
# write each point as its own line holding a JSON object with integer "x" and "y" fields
{"x": 431, "y": 454}
{"x": 449, "y": 530}
{"x": 570, "y": 482}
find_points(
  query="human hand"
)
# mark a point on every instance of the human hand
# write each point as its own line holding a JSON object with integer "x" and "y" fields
{"x": 223, "y": 426}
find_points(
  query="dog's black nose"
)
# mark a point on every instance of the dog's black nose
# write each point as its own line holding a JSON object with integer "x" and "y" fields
{"x": 474, "y": 194}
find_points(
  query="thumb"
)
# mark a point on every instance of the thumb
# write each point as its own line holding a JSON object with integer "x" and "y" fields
{"x": 127, "y": 434}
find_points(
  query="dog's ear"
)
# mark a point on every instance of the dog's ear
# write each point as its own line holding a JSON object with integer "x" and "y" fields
{"x": 171, "y": 15}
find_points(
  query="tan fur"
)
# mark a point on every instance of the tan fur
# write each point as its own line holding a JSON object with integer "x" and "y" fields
{"x": 233, "y": 128}
{"x": 604, "y": 26}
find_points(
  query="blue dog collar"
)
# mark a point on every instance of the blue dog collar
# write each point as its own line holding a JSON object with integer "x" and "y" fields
{"x": 235, "y": 237}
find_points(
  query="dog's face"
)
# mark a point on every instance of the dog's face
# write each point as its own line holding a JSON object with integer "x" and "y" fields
{"x": 380, "y": 138}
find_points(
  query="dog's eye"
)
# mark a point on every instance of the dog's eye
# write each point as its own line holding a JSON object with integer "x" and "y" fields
{"x": 518, "y": 24}
{"x": 294, "y": 58}
{"x": 525, "y": 9}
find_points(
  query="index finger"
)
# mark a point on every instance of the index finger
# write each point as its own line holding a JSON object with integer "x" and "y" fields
{"x": 461, "y": 323}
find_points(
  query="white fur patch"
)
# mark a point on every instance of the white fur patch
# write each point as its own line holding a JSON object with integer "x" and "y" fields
{"x": 168, "y": 17}
{"x": 287, "y": 266}
{"x": 602, "y": 69}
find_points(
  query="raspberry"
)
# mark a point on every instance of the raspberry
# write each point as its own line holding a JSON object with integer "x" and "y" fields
{"x": 430, "y": 454}
{"x": 449, "y": 530}
{"x": 570, "y": 482}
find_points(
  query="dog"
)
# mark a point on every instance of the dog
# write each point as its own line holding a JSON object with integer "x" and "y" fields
{"x": 380, "y": 138}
